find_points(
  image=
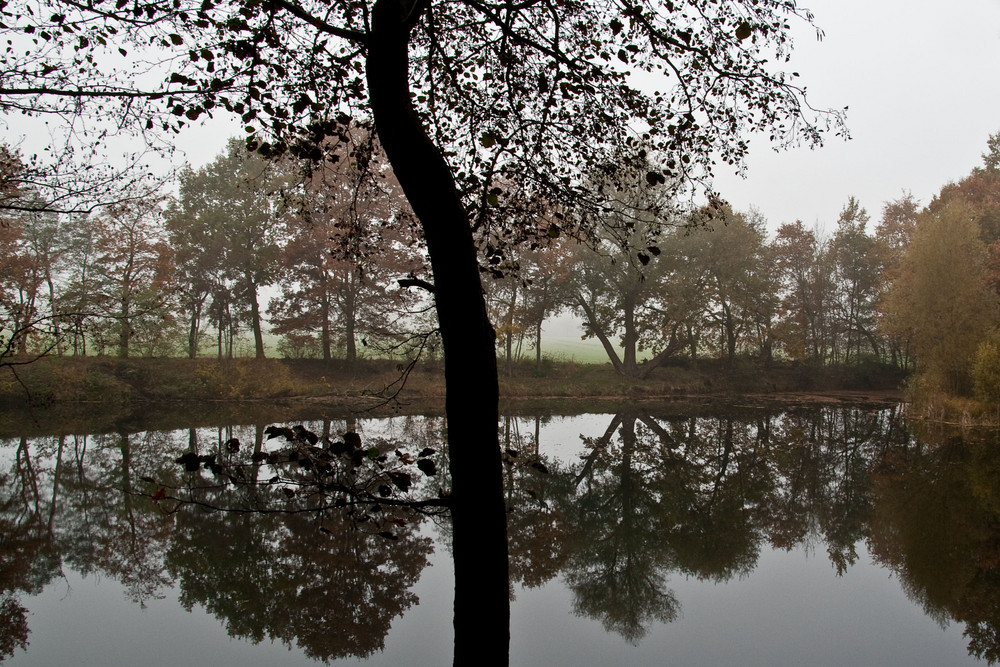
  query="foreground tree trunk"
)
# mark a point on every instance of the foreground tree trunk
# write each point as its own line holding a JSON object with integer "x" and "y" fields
{"x": 482, "y": 609}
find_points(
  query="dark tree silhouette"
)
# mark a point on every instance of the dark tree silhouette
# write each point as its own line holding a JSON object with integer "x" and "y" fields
{"x": 487, "y": 111}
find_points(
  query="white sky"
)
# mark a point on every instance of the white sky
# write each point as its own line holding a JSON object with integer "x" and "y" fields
{"x": 922, "y": 83}
{"x": 921, "y": 79}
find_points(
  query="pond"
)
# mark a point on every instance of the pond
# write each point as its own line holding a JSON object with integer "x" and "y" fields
{"x": 718, "y": 534}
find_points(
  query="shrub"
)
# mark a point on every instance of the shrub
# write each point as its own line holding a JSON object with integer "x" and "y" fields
{"x": 986, "y": 370}
{"x": 299, "y": 346}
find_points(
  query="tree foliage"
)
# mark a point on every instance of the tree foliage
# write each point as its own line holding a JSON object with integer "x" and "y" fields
{"x": 350, "y": 236}
{"x": 940, "y": 297}
{"x": 858, "y": 275}
{"x": 516, "y": 91}
{"x": 233, "y": 208}
{"x": 728, "y": 261}
{"x": 621, "y": 288}
{"x": 803, "y": 290}
{"x": 533, "y": 287}
{"x": 986, "y": 370}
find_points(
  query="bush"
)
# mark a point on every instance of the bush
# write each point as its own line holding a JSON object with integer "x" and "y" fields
{"x": 299, "y": 346}
{"x": 986, "y": 371}
{"x": 244, "y": 379}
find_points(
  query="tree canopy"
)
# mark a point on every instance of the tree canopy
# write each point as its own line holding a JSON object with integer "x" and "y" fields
{"x": 510, "y": 92}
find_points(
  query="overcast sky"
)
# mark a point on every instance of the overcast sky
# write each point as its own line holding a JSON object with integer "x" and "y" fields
{"x": 921, "y": 79}
{"x": 922, "y": 83}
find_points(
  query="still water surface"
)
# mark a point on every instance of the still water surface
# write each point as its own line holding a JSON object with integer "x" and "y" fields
{"x": 752, "y": 536}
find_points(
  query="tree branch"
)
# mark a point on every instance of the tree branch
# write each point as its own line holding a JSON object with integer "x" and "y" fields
{"x": 416, "y": 282}
{"x": 318, "y": 23}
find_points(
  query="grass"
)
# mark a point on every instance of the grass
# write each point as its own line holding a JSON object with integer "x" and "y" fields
{"x": 134, "y": 381}
{"x": 102, "y": 394}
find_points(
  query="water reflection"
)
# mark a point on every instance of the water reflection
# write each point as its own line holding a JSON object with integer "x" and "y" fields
{"x": 936, "y": 524}
{"x": 319, "y": 583}
{"x": 698, "y": 496}
{"x": 616, "y": 514}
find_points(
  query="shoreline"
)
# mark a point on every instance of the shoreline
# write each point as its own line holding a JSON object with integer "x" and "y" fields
{"x": 95, "y": 395}
{"x": 106, "y": 380}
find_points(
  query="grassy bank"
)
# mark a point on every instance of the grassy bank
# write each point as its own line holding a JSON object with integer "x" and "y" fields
{"x": 99, "y": 395}
{"x": 112, "y": 381}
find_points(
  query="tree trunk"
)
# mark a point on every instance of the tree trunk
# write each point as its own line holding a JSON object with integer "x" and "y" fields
{"x": 325, "y": 314}
{"x": 195, "y": 329}
{"x": 479, "y": 541}
{"x": 538, "y": 345}
{"x": 56, "y": 329}
{"x": 124, "y": 329}
{"x": 729, "y": 327}
{"x": 595, "y": 326}
{"x": 509, "y": 342}
{"x": 258, "y": 334}
{"x": 630, "y": 361}
{"x": 351, "y": 317}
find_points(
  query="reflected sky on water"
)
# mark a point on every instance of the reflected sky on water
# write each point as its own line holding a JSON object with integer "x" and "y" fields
{"x": 741, "y": 473}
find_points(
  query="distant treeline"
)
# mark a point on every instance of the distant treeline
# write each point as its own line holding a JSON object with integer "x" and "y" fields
{"x": 651, "y": 282}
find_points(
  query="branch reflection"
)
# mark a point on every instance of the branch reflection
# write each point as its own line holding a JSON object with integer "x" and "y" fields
{"x": 299, "y": 558}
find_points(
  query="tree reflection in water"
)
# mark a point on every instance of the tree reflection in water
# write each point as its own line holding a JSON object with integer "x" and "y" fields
{"x": 298, "y": 559}
{"x": 315, "y": 543}
{"x": 698, "y": 497}
{"x": 315, "y": 581}
{"x": 28, "y": 555}
{"x": 937, "y": 526}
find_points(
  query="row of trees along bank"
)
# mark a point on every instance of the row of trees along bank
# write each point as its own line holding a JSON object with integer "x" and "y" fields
{"x": 918, "y": 288}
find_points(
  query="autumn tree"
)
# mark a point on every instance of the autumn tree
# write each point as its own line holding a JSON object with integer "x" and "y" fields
{"x": 11, "y": 177}
{"x": 804, "y": 289}
{"x": 21, "y": 239}
{"x": 893, "y": 235}
{"x": 350, "y": 237}
{"x": 544, "y": 273}
{"x": 134, "y": 276}
{"x": 231, "y": 211}
{"x": 619, "y": 287}
{"x": 463, "y": 96}
{"x": 503, "y": 303}
{"x": 940, "y": 297}
{"x": 48, "y": 238}
{"x": 531, "y": 286}
{"x": 20, "y": 285}
{"x": 197, "y": 250}
{"x": 32, "y": 247}
{"x": 981, "y": 190}
{"x": 78, "y": 297}
{"x": 858, "y": 271}
{"x": 727, "y": 259}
